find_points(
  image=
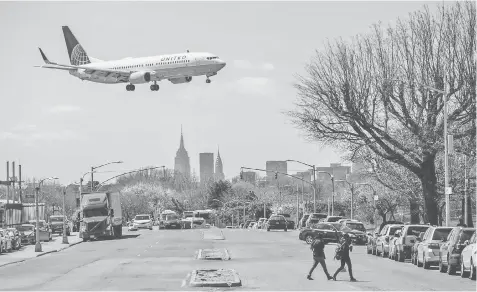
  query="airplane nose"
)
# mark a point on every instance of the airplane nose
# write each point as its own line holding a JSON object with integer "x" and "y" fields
{"x": 221, "y": 64}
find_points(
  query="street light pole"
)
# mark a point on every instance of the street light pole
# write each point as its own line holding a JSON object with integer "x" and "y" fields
{"x": 375, "y": 198}
{"x": 37, "y": 229}
{"x": 65, "y": 238}
{"x": 314, "y": 180}
{"x": 95, "y": 167}
{"x": 352, "y": 195}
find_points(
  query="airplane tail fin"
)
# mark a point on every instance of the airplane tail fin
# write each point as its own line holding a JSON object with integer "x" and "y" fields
{"x": 76, "y": 52}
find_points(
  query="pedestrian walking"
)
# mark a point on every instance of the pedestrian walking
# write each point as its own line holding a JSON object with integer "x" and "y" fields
{"x": 342, "y": 253}
{"x": 318, "y": 248}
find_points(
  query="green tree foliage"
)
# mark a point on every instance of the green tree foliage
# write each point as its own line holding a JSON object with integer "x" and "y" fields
{"x": 217, "y": 192}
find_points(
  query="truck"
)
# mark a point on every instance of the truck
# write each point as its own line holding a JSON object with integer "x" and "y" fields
{"x": 101, "y": 215}
{"x": 169, "y": 219}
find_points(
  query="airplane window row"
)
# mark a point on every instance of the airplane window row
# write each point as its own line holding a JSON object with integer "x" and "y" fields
{"x": 211, "y": 58}
{"x": 160, "y": 63}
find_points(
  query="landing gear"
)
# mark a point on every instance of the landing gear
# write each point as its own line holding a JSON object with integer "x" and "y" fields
{"x": 130, "y": 87}
{"x": 207, "y": 80}
{"x": 154, "y": 87}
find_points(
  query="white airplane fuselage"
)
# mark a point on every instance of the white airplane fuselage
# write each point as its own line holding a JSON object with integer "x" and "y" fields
{"x": 176, "y": 67}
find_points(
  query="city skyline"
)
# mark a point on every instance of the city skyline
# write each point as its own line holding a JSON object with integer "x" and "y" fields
{"x": 60, "y": 126}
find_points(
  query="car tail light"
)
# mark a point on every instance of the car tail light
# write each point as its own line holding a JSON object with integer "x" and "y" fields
{"x": 433, "y": 245}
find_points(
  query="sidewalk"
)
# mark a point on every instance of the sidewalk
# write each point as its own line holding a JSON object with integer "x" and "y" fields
{"x": 28, "y": 251}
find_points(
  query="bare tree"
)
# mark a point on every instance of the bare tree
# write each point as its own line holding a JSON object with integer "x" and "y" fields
{"x": 349, "y": 101}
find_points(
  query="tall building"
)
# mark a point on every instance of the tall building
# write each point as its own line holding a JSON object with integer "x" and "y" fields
{"x": 249, "y": 176}
{"x": 272, "y": 166}
{"x": 219, "y": 168}
{"x": 182, "y": 161}
{"x": 206, "y": 161}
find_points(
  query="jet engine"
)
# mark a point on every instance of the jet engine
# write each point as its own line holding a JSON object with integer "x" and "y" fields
{"x": 181, "y": 80}
{"x": 140, "y": 77}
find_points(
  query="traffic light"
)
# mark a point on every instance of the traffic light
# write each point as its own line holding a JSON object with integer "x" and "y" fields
{"x": 276, "y": 175}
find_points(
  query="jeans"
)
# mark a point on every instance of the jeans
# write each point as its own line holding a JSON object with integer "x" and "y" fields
{"x": 346, "y": 261}
{"x": 319, "y": 260}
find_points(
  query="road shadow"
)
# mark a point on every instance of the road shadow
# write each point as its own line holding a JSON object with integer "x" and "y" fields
{"x": 127, "y": 236}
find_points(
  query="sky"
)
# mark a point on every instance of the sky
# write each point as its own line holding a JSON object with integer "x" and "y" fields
{"x": 57, "y": 125}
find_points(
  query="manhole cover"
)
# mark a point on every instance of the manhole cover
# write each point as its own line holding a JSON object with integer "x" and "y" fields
{"x": 215, "y": 278}
{"x": 213, "y": 254}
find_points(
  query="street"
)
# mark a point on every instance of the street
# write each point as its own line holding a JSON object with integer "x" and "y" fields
{"x": 163, "y": 260}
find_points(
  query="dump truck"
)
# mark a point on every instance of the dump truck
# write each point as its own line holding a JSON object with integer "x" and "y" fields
{"x": 101, "y": 215}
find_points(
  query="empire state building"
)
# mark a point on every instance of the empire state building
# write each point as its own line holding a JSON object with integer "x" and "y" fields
{"x": 182, "y": 161}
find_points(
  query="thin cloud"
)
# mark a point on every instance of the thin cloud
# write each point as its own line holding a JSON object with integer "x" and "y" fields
{"x": 268, "y": 66}
{"x": 65, "y": 135}
{"x": 255, "y": 85}
{"x": 64, "y": 108}
{"x": 247, "y": 65}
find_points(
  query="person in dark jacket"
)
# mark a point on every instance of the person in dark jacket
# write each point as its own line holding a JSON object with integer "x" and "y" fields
{"x": 318, "y": 248}
{"x": 344, "y": 250}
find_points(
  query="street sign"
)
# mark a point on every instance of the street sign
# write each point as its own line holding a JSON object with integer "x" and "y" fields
{"x": 449, "y": 191}
{"x": 376, "y": 197}
{"x": 30, "y": 196}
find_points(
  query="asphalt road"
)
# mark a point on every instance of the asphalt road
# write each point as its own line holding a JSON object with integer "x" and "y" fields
{"x": 163, "y": 259}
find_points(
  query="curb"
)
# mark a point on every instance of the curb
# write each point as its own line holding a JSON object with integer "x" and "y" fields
{"x": 224, "y": 251}
{"x": 236, "y": 282}
{"x": 11, "y": 263}
{"x": 41, "y": 254}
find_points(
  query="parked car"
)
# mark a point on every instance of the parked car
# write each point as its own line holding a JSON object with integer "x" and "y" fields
{"x": 329, "y": 232}
{"x": 415, "y": 247}
{"x": 143, "y": 221}
{"x": 260, "y": 223}
{"x": 57, "y": 225}
{"x": 407, "y": 239}
{"x": 16, "y": 238}
{"x": 373, "y": 236}
{"x": 428, "y": 250}
{"x": 342, "y": 221}
{"x": 386, "y": 234}
{"x": 277, "y": 222}
{"x": 27, "y": 233}
{"x": 131, "y": 227}
{"x": 332, "y": 219}
{"x": 356, "y": 231}
{"x": 6, "y": 241}
{"x": 290, "y": 222}
{"x": 171, "y": 221}
{"x": 45, "y": 231}
{"x": 315, "y": 218}
{"x": 468, "y": 259}
{"x": 451, "y": 249}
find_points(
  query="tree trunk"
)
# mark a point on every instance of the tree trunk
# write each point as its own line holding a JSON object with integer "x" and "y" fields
{"x": 429, "y": 181}
{"x": 415, "y": 212}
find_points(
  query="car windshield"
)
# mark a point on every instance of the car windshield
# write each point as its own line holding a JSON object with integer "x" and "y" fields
{"x": 441, "y": 234}
{"x": 286, "y": 215}
{"x": 416, "y": 230}
{"x": 171, "y": 217}
{"x": 56, "y": 219}
{"x": 25, "y": 228}
{"x": 356, "y": 226}
{"x": 278, "y": 218}
{"x": 142, "y": 217}
{"x": 322, "y": 226}
{"x": 319, "y": 216}
{"x": 95, "y": 212}
{"x": 336, "y": 225}
{"x": 465, "y": 235}
{"x": 334, "y": 219}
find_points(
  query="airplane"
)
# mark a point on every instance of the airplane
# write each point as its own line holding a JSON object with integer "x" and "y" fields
{"x": 177, "y": 68}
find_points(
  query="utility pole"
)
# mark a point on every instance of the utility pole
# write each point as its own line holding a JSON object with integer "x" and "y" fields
{"x": 448, "y": 190}
{"x": 20, "y": 182}
{"x": 466, "y": 221}
{"x": 314, "y": 190}
{"x": 13, "y": 182}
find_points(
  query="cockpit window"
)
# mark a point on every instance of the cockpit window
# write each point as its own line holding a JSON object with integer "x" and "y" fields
{"x": 211, "y": 58}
